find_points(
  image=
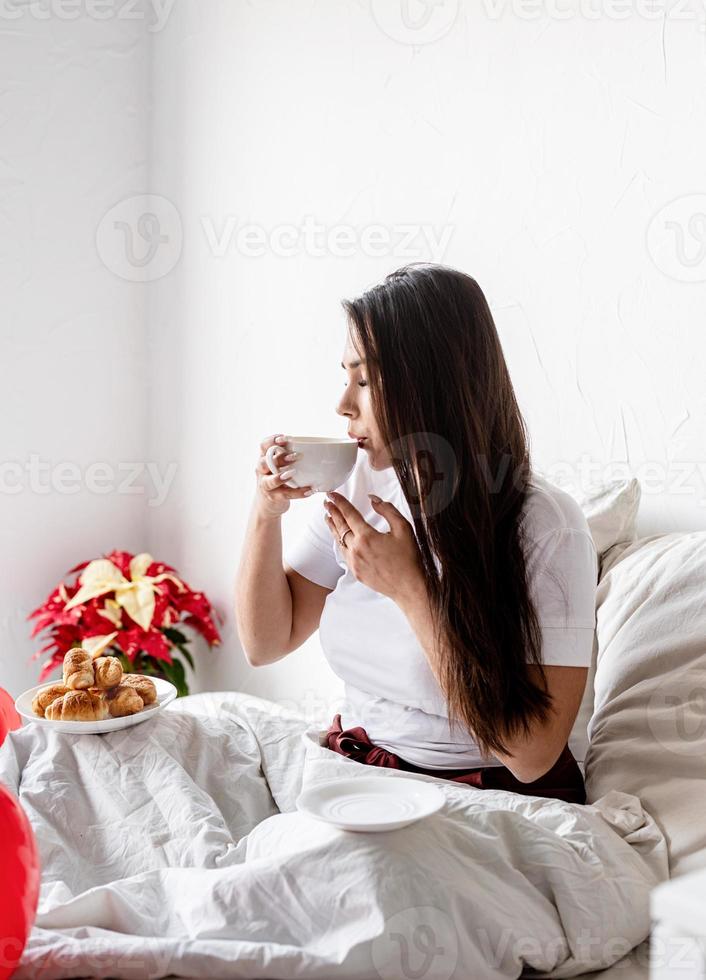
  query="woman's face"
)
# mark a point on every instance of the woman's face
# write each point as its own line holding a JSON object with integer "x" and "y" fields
{"x": 355, "y": 405}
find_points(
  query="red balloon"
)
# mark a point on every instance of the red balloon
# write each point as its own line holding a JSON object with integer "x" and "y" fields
{"x": 20, "y": 888}
{"x": 9, "y": 719}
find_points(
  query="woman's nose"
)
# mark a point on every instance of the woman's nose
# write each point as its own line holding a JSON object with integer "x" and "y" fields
{"x": 345, "y": 407}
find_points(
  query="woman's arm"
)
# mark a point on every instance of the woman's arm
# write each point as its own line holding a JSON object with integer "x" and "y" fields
{"x": 533, "y": 755}
{"x": 277, "y": 609}
{"x": 263, "y": 602}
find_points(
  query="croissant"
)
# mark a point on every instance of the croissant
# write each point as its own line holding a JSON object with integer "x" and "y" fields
{"x": 108, "y": 672}
{"x": 78, "y": 706}
{"x": 78, "y": 669}
{"x": 143, "y": 685}
{"x": 42, "y": 699}
{"x": 121, "y": 701}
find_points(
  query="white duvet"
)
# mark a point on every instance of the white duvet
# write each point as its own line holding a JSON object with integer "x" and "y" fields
{"x": 174, "y": 848}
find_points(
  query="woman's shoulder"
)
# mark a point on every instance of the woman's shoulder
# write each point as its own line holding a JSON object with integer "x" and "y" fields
{"x": 549, "y": 507}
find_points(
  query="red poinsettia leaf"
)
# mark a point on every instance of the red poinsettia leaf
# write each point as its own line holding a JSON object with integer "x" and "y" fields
{"x": 161, "y": 566}
{"x": 71, "y": 617}
{"x": 40, "y": 625}
{"x": 163, "y": 610}
{"x": 53, "y": 601}
{"x": 150, "y": 642}
{"x": 93, "y": 622}
{"x": 121, "y": 559}
{"x": 38, "y": 653}
{"x": 155, "y": 644}
{"x": 50, "y": 666}
{"x": 197, "y": 605}
{"x": 205, "y": 628}
{"x": 39, "y": 611}
{"x": 79, "y": 568}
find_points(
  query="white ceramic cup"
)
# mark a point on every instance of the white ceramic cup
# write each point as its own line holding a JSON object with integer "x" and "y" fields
{"x": 322, "y": 464}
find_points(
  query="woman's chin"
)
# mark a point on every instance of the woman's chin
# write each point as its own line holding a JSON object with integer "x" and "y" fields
{"x": 377, "y": 461}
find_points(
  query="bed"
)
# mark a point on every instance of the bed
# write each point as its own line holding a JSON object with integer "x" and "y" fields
{"x": 175, "y": 848}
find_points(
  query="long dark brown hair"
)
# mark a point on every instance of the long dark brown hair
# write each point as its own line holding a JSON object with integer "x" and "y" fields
{"x": 446, "y": 409}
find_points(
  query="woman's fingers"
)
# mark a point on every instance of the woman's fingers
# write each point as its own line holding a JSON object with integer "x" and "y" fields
{"x": 335, "y": 521}
{"x": 349, "y": 514}
{"x": 397, "y": 521}
{"x": 282, "y": 456}
{"x": 274, "y": 485}
{"x": 275, "y": 480}
{"x": 277, "y": 439}
{"x": 293, "y": 493}
{"x": 281, "y": 459}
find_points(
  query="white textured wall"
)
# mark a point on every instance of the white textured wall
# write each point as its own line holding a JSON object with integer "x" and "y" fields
{"x": 533, "y": 145}
{"x": 543, "y": 145}
{"x": 73, "y": 122}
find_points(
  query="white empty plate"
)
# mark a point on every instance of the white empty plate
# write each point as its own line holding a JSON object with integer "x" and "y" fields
{"x": 371, "y": 802}
{"x": 166, "y": 692}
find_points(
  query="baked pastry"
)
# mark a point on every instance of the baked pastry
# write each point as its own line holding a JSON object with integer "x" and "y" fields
{"x": 42, "y": 699}
{"x": 143, "y": 685}
{"x": 108, "y": 672}
{"x": 78, "y": 669}
{"x": 78, "y": 705}
{"x": 121, "y": 701}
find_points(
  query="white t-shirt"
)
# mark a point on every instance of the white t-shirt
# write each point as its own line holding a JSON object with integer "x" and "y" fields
{"x": 389, "y": 687}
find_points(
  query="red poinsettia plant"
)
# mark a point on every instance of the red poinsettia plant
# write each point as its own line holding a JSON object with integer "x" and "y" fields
{"x": 128, "y": 606}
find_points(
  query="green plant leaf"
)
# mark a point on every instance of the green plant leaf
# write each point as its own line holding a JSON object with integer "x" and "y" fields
{"x": 188, "y": 656}
{"x": 150, "y": 667}
{"x": 128, "y": 668}
{"x": 174, "y": 672}
{"x": 175, "y": 635}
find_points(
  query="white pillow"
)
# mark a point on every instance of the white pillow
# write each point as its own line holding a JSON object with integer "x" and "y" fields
{"x": 648, "y": 731}
{"x": 611, "y": 511}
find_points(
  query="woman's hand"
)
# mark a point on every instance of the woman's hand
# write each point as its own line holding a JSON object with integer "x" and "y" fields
{"x": 386, "y": 561}
{"x": 273, "y": 496}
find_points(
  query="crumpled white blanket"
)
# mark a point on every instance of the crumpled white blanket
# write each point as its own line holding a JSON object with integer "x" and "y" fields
{"x": 174, "y": 848}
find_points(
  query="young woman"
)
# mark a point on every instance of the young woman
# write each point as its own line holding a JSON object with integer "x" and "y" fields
{"x": 454, "y": 589}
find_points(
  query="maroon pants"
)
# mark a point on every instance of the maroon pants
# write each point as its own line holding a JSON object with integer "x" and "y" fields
{"x": 563, "y": 781}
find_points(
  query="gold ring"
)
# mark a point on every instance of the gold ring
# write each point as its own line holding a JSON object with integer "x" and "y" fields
{"x": 342, "y": 538}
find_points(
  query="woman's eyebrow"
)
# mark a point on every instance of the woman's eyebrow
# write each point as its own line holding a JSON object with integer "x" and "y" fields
{"x": 353, "y": 364}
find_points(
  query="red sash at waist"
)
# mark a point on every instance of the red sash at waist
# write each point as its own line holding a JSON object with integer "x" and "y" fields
{"x": 563, "y": 781}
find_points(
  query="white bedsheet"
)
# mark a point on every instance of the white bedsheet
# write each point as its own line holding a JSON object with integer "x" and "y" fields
{"x": 174, "y": 848}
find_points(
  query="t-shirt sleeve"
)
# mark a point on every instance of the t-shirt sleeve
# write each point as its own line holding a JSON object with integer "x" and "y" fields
{"x": 312, "y": 553}
{"x": 563, "y": 572}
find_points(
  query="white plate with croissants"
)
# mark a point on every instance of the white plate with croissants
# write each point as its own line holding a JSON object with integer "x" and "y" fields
{"x": 95, "y": 695}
